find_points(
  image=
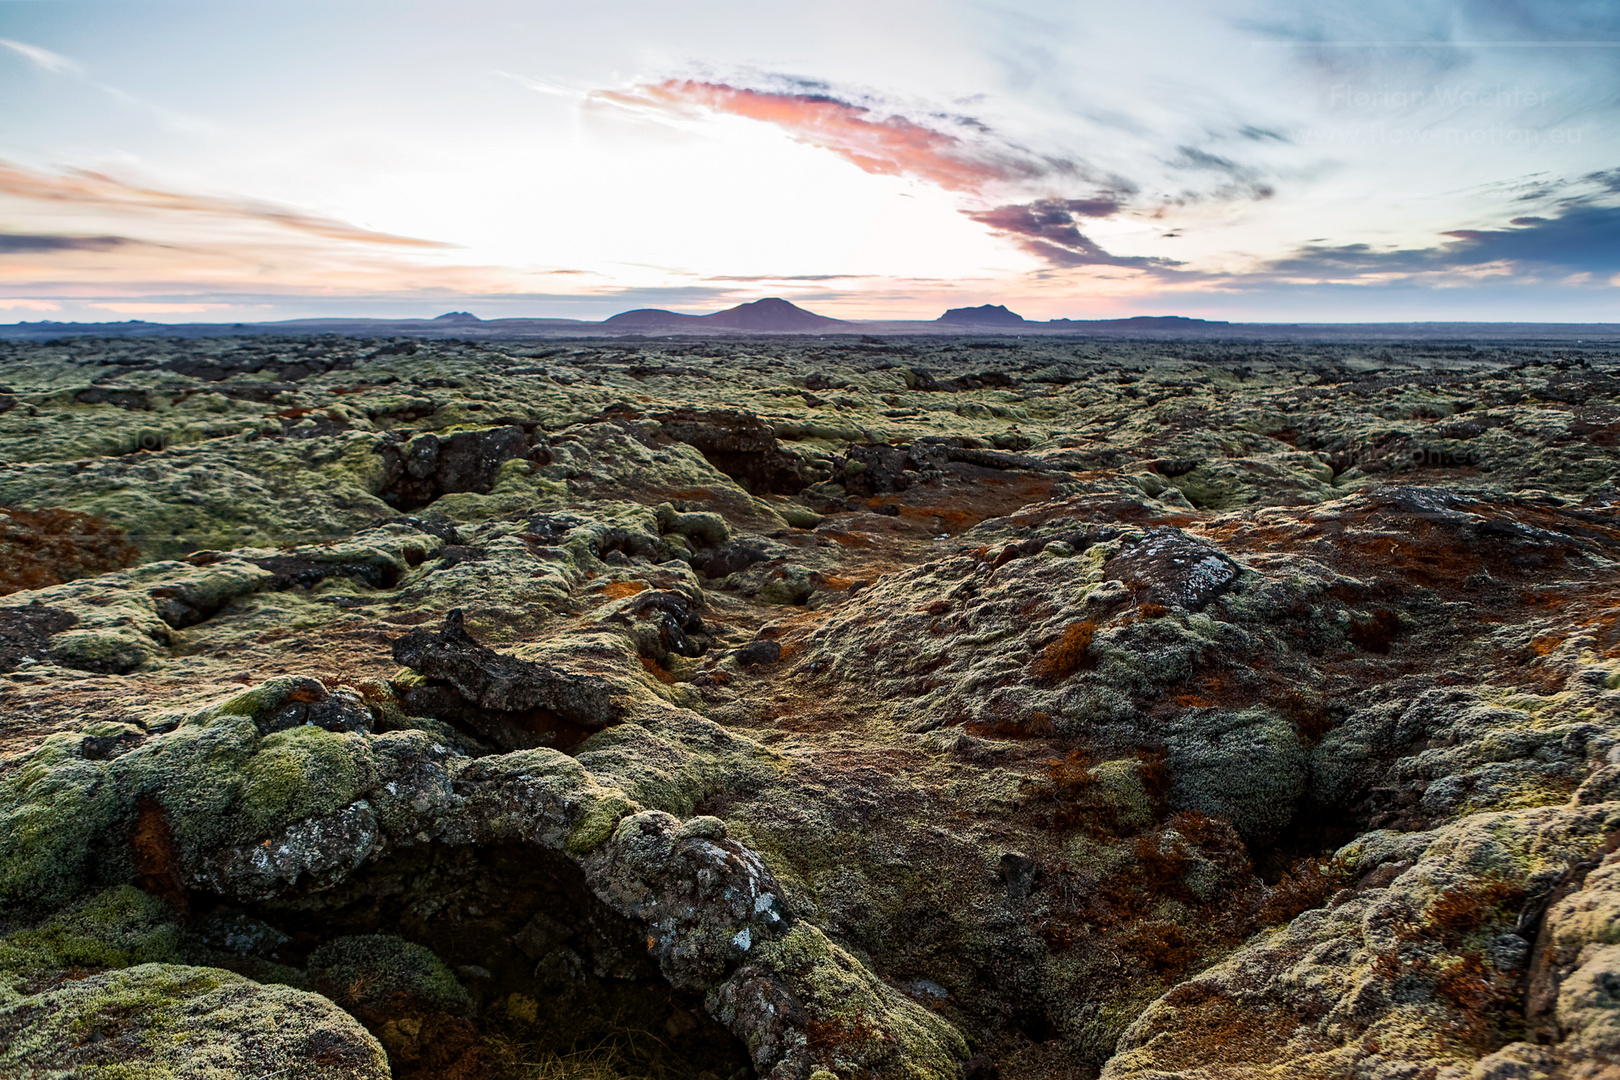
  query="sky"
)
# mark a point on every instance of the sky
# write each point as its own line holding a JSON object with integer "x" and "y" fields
{"x": 1249, "y": 160}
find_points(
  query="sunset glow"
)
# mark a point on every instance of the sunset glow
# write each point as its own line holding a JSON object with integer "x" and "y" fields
{"x": 495, "y": 157}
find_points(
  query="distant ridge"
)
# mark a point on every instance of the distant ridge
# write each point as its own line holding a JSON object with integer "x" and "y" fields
{"x": 1143, "y": 322}
{"x": 983, "y": 315}
{"x": 777, "y": 316}
{"x": 771, "y": 315}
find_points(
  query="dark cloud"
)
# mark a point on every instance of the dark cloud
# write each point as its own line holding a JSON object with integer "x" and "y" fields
{"x": 1047, "y": 228}
{"x": 1608, "y": 180}
{"x": 1582, "y": 239}
{"x": 18, "y": 243}
{"x": 1241, "y": 180}
{"x": 1568, "y": 20}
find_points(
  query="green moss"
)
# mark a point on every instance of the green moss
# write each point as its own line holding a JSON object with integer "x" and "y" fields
{"x": 379, "y": 972}
{"x": 64, "y": 820}
{"x": 1119, "y": 788}
{"x": 1246, "y": 766}
{"x": 299, "y": 773}
{"x": 111, "y": 650}
{"x": 117, "y": 928}
{"x": 799, "y": 517}
{"x": 598, "y": 824}
{"x": 167, "y": 1022}
{"x": 866, "y": 1026}
{"x": 50, "y": 810}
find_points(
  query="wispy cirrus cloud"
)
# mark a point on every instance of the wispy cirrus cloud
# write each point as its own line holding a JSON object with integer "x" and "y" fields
{"x": 88, "y": 189}
{"x": 56, "y": 64}
{"x": 44, "y": 59}
{"x": 96, "y": 235}
{"x": 11, "y": 243}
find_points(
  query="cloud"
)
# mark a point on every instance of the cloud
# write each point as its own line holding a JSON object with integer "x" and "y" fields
{"x": 13, "y": 243}
{"x": 139, "y": 308}
{"x": 1241, "y": 181}
{"x": 1047, "y": 229}
{"x": 1582, "y": 239}
{"x": 545, "y": 86}
{"x": 956, "y": 153}
{"x": 29, "y": 305}
{"x": 1609, "y": 180}
{"x": 55, "y": 63}
{"x": 884, "y": 145}
{"x": 93, "y": 189}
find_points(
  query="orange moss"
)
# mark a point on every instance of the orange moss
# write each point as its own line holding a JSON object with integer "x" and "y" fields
{"x": 1161, "y": 947}
{"x": 39, "y": 548}
{"x": 1305, "y": 885}
{"x": 1152, "y": 611}
{"x": 849, "y": 540}
{"x": 1489, "y": 1001}
{"x": 1211, "y": 1028}
{"x": 1069, "y": 653}
{"x": 951, "y": 521}
{"x": 1307, "y": 712}
{"x": 156, "y": 859}
{"x": 1040, "y": 723}
{"x": 618, "y": 590}
{"x": 1462, "y": 909}
{"x": 308, "y": 695}
{"x": 656, "y": 670}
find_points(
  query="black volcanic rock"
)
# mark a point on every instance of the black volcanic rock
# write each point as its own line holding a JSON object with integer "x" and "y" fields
{"x": 983, "y": 315}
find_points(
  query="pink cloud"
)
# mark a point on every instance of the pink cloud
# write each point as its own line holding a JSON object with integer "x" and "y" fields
{"x": 881, "y": 145}
{"x": 975, "y": 163}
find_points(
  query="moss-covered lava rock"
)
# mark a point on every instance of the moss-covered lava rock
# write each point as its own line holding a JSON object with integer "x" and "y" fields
{"x": 809, "y": 709}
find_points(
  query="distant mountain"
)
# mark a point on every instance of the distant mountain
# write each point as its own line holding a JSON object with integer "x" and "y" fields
{"x": 983, "y": 315}
{"x": 1141, "y": 322}
{"x": 650, "y": 319}
{"x": 771, "y": 315}
{"x": 458, "y": 317}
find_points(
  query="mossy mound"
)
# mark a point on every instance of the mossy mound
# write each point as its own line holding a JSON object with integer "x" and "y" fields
{"x": 378, "y": 974}
{"x": 166, "y": 1021}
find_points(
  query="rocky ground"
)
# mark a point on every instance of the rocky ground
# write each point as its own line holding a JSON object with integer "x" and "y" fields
{"x": 809, "y": 709}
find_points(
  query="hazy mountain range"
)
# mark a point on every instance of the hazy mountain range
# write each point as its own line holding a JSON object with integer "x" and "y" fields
{"x": 777, "y": 316}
